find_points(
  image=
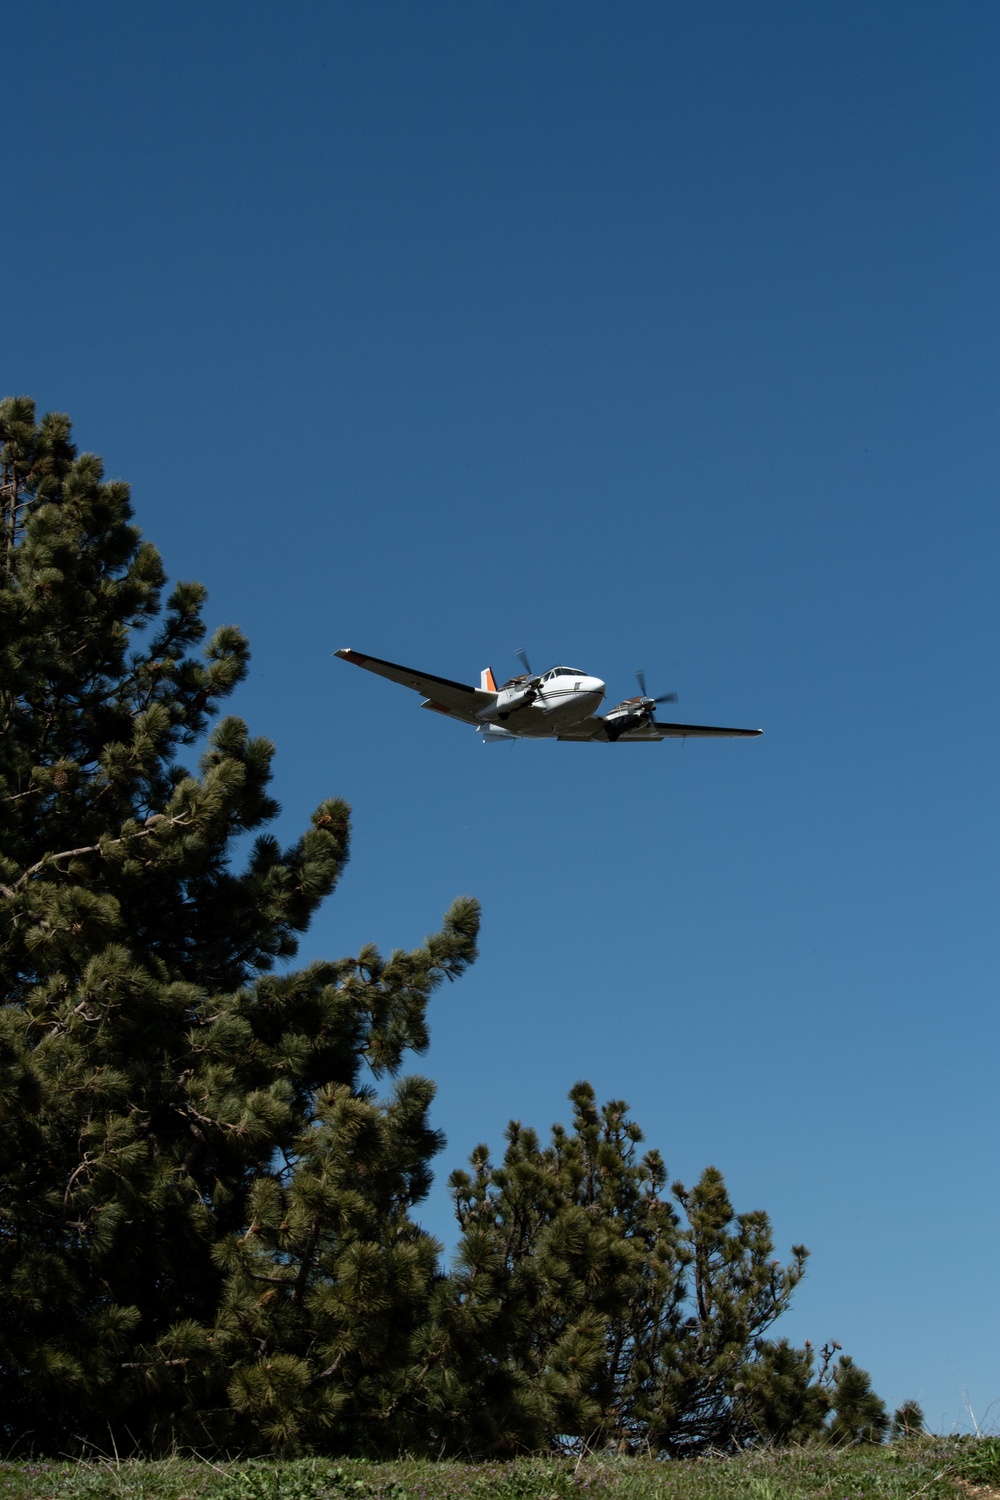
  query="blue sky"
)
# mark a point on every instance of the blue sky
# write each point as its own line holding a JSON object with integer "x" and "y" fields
{"x": 634, "y": 335}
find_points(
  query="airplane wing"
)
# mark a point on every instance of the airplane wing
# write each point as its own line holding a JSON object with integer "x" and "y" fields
{"x": 587, "y": 729}
{"x": 594, "y": 729}
{"x": 457, "y": 699}
{"x": 703, "y": 731}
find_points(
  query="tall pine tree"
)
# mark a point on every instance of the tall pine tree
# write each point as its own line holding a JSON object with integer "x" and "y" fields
{"x": 195, "y": 1174}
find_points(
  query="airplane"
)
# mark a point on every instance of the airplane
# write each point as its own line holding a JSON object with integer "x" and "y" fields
{"x": 558, "y": 704}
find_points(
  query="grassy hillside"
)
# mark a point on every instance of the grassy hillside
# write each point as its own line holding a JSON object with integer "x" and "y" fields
{"x": 930, "y": 1467}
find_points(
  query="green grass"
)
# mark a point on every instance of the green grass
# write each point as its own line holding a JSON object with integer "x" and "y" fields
{"x": 928, "y": 1467}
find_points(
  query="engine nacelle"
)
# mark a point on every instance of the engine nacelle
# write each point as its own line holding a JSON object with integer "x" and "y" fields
{"x": 632, "y": 714}
{"x": 509, "y": 699}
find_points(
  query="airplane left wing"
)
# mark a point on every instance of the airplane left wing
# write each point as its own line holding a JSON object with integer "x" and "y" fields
{"x": 594, "y": 728}
{"x": 702, "y": 731}
{"x": 457, "y": 699}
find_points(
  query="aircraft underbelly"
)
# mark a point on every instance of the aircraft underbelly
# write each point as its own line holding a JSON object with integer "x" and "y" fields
{"x": 556, "y": 715}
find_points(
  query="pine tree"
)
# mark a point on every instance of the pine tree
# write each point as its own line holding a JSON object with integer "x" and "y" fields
{"x": 859, "y": 1415}
{"x": 908, "y": 1421}
{"x": 737, "y": 1291}
{"x": 780, "y": 1398}
{"x": 566, "y": 1289}
{"x": 191, "y": 1160}
{"x": 584, "y": 1307}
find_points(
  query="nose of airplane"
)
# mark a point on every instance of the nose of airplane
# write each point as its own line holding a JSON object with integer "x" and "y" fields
{"x": 595, "y": 685}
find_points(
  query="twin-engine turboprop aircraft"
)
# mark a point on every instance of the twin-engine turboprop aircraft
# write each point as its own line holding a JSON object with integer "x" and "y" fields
{"x": 559, "y": 704}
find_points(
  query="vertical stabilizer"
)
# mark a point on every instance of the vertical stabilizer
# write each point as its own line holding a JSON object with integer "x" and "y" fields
{"x": 486, "y": 681}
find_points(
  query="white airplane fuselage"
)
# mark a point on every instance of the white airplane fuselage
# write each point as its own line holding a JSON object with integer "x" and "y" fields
{"x": 542, "y": 706}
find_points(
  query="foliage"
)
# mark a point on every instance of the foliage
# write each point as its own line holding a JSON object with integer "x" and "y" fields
{"x": 908, "y": 1421}
{"x": 859, "y": 1414}
{"x": 781, "y": 1400}
{"x": 583, "y": 1304}
{"x": 593, "y": 1308}
{"x": 180, "y": 1118}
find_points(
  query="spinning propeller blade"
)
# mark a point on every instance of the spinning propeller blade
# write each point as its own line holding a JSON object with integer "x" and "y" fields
{"x": 663, "y": 698}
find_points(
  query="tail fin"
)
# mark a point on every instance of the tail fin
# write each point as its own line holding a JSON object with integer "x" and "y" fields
{"x": 486, "y": 681}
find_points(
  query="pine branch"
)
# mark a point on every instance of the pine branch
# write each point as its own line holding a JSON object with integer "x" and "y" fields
{"x": 12, "y": 506}
{"x": 33, "y": 791}
{"x": 156, "y": 822}
{"x": 301, "y": 1280}
{"x": 329, "y": 1372}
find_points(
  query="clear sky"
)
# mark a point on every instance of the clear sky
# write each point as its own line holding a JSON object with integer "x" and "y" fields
{"x": 657, "y": 335}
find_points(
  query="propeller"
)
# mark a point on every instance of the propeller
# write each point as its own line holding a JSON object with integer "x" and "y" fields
{"x": 522, "y": 657}
{"x": 529, "y": 683}
{"x": 640, "y": 677}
